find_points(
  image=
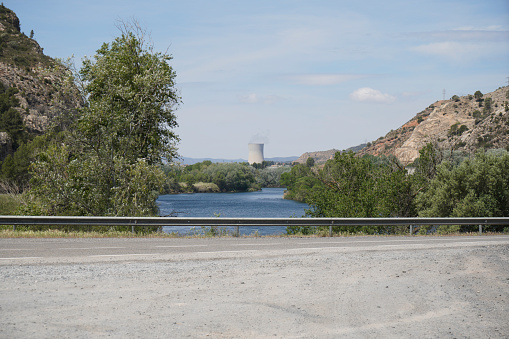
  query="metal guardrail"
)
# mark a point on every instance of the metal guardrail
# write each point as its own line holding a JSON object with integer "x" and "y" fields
{"x": 181, "y": 221}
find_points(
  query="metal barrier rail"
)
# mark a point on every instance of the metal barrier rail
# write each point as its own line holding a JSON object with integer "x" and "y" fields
{"x": 180, "y": 221}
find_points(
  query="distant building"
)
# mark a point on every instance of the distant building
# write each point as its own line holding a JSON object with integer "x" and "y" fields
{"x": 255, "y": 154}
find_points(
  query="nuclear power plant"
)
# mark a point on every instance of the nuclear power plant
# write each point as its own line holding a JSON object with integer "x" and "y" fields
{"x": 255, "y": 153}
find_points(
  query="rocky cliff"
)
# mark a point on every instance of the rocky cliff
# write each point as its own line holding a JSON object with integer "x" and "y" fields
{"x": 318, "y": 156}
{"x": 462, "y": 123}
{"x": 42, "y": 82}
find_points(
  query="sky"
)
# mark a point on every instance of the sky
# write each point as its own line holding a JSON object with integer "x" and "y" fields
{"x": 299, "y": 76}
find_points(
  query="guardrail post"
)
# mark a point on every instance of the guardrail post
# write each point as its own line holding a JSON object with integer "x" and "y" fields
{"x": 237, "y": 231}
{"x": 411, "y": 229}
{"x": 330, "y": 228}
{"x": 480, "y": 229}
{"x": 14, "y": 227}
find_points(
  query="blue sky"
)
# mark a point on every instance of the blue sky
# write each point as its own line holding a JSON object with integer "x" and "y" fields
{"x": 299, "y": 76}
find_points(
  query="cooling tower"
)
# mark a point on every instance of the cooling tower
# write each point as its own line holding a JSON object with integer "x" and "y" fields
{"x": 255, "y": 153}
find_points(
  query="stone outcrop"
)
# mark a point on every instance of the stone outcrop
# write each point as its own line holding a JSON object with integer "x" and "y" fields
{"x": 43, "y": 91}
{"x": 461, "y": 123}
{"x": 319, "y": 156}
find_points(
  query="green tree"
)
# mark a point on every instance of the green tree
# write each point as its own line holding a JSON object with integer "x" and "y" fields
{"x": 362, "y": 187}
{"x": 478, "y": 187}
{"x": 231, "y": 177}
{"x": 478, "y": 95}
{"x": 271, "y": 176}
{"x": 426, "y": 165}
{"x": 310, "y": 162}
{"x": 131, "y": 99}
{"x": 109, "y": 160}
{"x": 300, "y": 183}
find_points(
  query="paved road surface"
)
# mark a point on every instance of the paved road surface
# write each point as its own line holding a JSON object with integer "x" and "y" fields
{"x": 89, "y": 250}
{"x": 385, "y": 287}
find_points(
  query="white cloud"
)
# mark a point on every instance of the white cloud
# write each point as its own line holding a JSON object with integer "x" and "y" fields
{"x": 324, "y": 79}
{"x": 367, "y": 94}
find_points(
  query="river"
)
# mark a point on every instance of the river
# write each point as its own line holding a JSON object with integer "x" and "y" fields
{"x": 267, "y": 203}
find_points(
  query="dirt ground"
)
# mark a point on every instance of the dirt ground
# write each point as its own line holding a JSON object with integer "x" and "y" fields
{"x": 459, "y": 292}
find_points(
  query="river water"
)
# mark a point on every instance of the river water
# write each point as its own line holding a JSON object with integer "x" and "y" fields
{"x": 267, "y": 203}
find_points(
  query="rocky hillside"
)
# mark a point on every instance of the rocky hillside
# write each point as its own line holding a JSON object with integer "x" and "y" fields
{"x": 462, "y": 123}
{"x": 41, "y": 81}
{"x": 321, "y": 157}
{"x": 318, "y": 156}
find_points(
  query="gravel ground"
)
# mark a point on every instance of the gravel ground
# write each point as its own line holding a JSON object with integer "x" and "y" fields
{"x": 460, "y": 292}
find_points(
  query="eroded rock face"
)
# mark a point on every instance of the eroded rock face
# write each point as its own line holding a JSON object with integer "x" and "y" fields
{"x": 44, "y": 91}
{"x": 318, "y": 156}
{"x": 10, "y": 19}
{"x": 436, "y": 126}
{"x": 462, "y": 123}
{"x": 34, "y": 100}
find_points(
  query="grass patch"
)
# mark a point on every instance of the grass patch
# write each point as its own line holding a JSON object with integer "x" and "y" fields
{"x": 10, "y": 233}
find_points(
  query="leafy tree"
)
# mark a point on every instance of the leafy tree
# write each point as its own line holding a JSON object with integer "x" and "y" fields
{"x": 108, "y": 161}
{"x": 350, "y": 186}
{"x": 455, "y": 130}
{"x": 131, "y": 96}
{"x": 478, "y": 187}
{"x": 300, "y": 183}
{"x": 359, "y": 187}
{"x": 478, "y": 95}
{"x": 263, "y": 165}
{"x": 232, "y": 177}
{"x": 228, "y": 177}
{"x": 426, "y": 165}
{"x": 310, "y": 162}
{"x": 270, "y": 177}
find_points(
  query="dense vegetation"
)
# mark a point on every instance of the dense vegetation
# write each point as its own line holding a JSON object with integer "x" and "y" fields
{"x": 105, "y": 158}
{"x": 221, "y": 177}
{"x": 443, "y": 185}
{"x": 112, "y": 154}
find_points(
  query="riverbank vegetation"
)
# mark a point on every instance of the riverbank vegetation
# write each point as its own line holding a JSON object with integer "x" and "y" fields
{"x": 221, "y": 177}
{"x": 103, "y": 157}
{"x": 440, "y": 184}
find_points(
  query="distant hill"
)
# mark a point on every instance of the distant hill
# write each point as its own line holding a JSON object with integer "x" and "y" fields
{"x": 464, "y": 123}
{"x": 321, "y": 157}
